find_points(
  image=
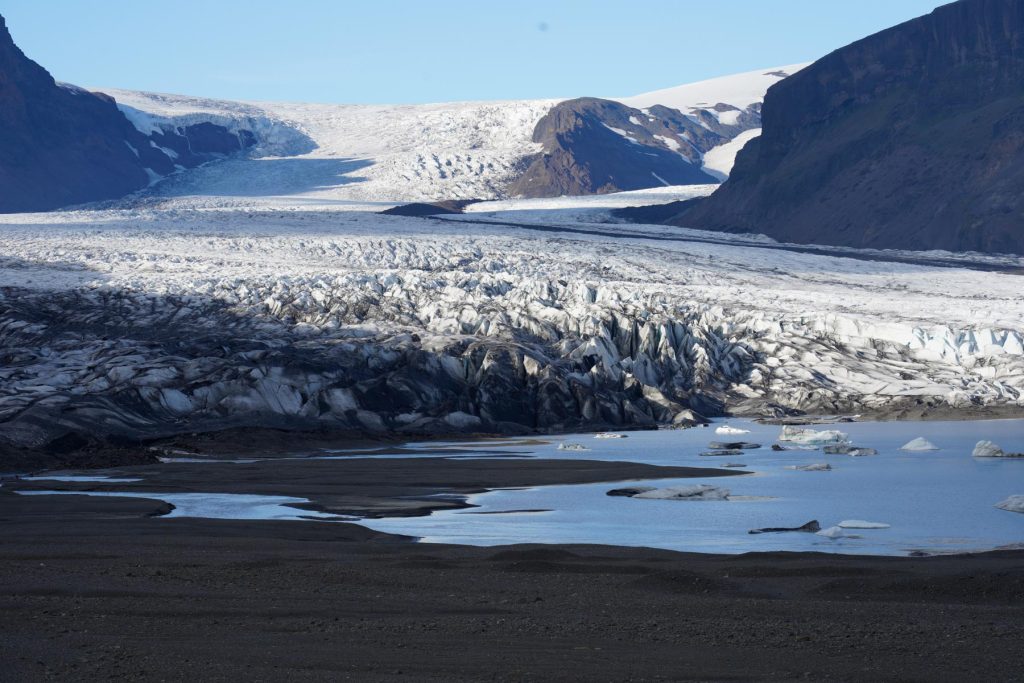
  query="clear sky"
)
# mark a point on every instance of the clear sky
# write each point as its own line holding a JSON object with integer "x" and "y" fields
{"x": 395, "y": 51}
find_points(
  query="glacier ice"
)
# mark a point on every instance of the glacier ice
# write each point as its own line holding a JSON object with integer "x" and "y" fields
{"x": 696, "y": 492}
{"x": 987, "y": 449}
{"x": 161, "y": 318}
{"x": 861, "y": 524}
{"x": 1012, "y": 504}
{"x": 919, "y": 444}
{"x": 726, "y": 429}
{"x": 813, "y": 437}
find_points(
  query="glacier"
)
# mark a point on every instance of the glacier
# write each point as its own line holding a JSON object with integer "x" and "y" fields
{"x": 359, "y": 156}
{"x": 147, "y": 321}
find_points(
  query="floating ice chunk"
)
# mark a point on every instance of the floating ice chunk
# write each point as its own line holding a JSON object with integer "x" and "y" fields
{"x": 813, "y": 437}
{"x": 564, "y": 446}
{"x": 861, "y": 524}
{"x": 987, "y": 449}
{"x": 1012, "y": 504}
{"x": 814, "y": 467}
{"x": 835, "y": 532}
{"x": 696, "y": 492}
{"x": 720, "y": 452}
{"x": 726, "y": 429}
{"x": 609, "y": 435}
{"x": 847, "y": 449}
{"x": 919, "y": 444}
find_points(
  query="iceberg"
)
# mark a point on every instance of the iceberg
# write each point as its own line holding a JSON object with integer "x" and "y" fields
{"x": 987, "y": 449}
{"x": 813, "y": 437}
{"x": 861, "y": 524}
{"x": 835, "y": 532}
{"x": 696, "y": 492}
{"x": 572, "y": 447}
{"x": 919, "y": 444}
{"x": 726, "y": 429}
{"x": 814, "y": 467}
{"x": 1012, "y": 504}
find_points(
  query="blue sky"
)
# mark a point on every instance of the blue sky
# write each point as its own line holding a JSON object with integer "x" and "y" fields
{"x": 394, "y": 51}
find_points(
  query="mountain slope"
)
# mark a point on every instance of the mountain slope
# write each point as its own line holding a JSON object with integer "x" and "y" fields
{"x": 910, "y": 138}
{"x": 59, "y": 145}
{"x": 64, "y": 145}
{"x": 739, "y": 90}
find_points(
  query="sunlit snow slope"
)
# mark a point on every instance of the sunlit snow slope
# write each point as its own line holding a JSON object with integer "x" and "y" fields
{"x": 739, "y": 90}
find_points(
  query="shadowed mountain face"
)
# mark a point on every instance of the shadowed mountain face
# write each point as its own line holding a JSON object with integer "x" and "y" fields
{"x": 597, "y": 146}
{"x": 63, "y": 145}
{"x": 59, "y": 146}
{"x": 910, "y": 138}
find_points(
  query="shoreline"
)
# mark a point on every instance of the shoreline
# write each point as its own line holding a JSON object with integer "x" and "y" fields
{"x": 263, "y": 441}
{"x": 273, "y": 600}
{"x": 95, "y": 587}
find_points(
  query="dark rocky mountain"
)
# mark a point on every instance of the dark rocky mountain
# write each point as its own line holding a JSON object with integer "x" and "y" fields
{"x": 596, "y": 146}
{"x": 63, "y": 145}
{"x": 910, "y": 138}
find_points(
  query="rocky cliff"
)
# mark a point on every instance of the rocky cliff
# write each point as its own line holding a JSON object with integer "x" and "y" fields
{"x": 593, "y": 146}
{"x": 909, "y": 138}
{"x": 62, "y": 145}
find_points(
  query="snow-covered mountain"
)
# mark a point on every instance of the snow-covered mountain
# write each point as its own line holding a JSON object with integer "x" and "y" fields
{"x": 334, "y": 155}
{"x": 66, "y": 145}
{"x": 739, "y": 90}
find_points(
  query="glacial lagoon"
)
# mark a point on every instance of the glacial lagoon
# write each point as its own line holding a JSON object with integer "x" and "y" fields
{"x": 934, "y": 501}
{"x": 938, "y": 501}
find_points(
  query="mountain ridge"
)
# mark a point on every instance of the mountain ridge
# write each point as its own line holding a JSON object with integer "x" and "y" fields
{"x": 910, "y": 138}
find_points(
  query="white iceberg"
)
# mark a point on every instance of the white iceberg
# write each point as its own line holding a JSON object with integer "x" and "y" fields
{"x": 1012, "y": 504}
{"x": 813, "y": 467}
{"x": 987, "y": 449}
{"x": 861, "y": 524}
{"x": 919, "y": 444}
{"x": 726, "y": 429}
{"x": 697, "y": 492}
{"x": 836, "y": 532}
{"x": 564, "y": 446}
{"x": 609, "y": 435}
{"x": 813, "y": 437}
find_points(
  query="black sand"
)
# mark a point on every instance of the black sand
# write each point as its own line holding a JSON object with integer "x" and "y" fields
{"x": 96, "y": 588}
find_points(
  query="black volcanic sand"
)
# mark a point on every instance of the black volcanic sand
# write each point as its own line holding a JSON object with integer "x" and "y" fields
{"x": 100, "y": 588}
{"x": 367, "y": 487}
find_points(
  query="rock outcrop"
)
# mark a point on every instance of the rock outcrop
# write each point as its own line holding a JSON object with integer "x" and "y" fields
{"x": 911, "y": 138}
{"x": 595, "y": 146}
